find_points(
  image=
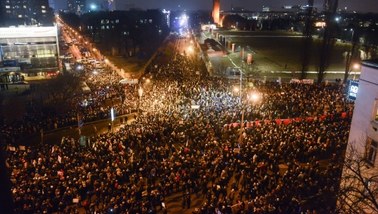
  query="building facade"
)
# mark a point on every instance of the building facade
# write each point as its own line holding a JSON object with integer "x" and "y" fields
{"x": 77, "y": 6}
{"x": 358, "y": 191}
{"x": 364, "y": 128}
{"x": 25, "y": 12}
{"x": 28, "y": 51}
{"x": 127, "y": 33}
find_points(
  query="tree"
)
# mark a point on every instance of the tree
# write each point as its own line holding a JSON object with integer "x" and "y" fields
{"x": 358, "y": 192}
{"x": 328, "y": 39}
{"x": 307, "y": 40}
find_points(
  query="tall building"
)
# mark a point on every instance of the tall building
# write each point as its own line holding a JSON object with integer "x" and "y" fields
{"x": 77, "y": 6}
{"x": 25, "y": 12}
{"x": 216, "y": 11}
{"x": 361, "y": 164}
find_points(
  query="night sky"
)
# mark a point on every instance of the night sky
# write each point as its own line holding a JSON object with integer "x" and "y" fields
{"x": 255, "y": 5}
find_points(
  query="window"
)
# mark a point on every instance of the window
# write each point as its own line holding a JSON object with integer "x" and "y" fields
{"x": 371, "y": 151}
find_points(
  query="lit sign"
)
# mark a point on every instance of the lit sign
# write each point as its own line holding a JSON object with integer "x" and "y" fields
{"x": 320, "y": 24}
{"x": 22, "y": 32}
{"x": 353, "y": 90}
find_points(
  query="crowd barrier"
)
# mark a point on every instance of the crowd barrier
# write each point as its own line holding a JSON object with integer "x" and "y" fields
{"x": 287, "y": 121}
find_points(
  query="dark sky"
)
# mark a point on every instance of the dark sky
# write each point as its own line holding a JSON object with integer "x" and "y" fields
{"x": 255, "y": 5}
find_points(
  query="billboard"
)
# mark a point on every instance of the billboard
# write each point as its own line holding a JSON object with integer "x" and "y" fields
{"x": 353, "y": 90}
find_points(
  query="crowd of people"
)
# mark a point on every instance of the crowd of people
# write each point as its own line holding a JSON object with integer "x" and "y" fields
{"x": 181, "y": 144}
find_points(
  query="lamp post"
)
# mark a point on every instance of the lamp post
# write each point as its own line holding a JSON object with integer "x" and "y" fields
{"x": 355, "y": 67}
{"x": 140, "y": 93}
{"x": 349, "y": 56}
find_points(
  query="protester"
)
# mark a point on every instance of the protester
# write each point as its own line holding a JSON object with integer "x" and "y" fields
{"x": 187, "y": 140}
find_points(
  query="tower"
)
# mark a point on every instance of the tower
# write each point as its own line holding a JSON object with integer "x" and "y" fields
{"x": 216, "y": 10}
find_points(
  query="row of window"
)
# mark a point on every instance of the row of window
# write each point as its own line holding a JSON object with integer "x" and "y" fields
{"x": 23, "y": 6}
{"x": 107, "y": 21}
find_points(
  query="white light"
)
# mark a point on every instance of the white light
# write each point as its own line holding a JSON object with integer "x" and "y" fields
{"x": 93, "y": 6}
{"x": 190, "y": 49}
{"x": 112, "y": 114}
{"x": 183, "y": 20}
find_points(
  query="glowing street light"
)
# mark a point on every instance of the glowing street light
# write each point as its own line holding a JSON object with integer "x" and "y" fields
{"x": 93, "y": 6}
{"x": 254, "y": 97}
{"x": 356, "y": 66}
{"x": 140, "y": 93}
{"x": 236, "y": 89}
{"x": 190, "y": 49}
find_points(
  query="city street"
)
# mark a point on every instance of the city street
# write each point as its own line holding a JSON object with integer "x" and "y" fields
{"x": 146, "y": 118}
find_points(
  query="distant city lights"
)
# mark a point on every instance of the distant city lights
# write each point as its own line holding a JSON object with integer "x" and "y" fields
{"x": 183, "y": 22}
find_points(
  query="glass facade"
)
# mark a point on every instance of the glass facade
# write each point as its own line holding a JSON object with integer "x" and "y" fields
{"x": 29, "y": 49}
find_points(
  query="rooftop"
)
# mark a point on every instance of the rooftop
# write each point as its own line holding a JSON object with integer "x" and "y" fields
{"x": 373, "y": 63}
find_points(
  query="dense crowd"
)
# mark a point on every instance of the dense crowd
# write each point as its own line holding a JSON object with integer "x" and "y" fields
{"x": 174, "y": 148}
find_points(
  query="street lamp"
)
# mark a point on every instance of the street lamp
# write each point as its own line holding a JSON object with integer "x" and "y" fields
{"x": 254, "y": 97}
{"x": 140, "y": 93}
{"x": 350, "y": 56}
{"x": 355, "y": 67}
{"x": 190, "y": 49}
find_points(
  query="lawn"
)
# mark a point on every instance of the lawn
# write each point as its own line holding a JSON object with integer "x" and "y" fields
{"x": 277, "y": 51}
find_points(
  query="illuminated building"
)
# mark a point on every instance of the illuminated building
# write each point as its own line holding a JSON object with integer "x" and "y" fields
{"x": 364, "y": 128}
{"x": 76, "y": 6}
{"x": 29, "y": 50}
{"x": 216, "y": 11}
{"x": 359, "y": 177}
{"x": 25, "y": 12}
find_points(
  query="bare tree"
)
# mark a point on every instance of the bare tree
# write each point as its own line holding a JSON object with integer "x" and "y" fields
{"x": 328, "y": 38}
{"x": 358, "y": 192}
{"x": 307, "y": 40}
{"x": 351, "y": 55}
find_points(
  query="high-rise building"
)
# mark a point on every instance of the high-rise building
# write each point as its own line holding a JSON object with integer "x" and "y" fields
{"x": 216, "y": 11}
{"x": 77, "y": 6}
{"x": 25, "y": 12}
